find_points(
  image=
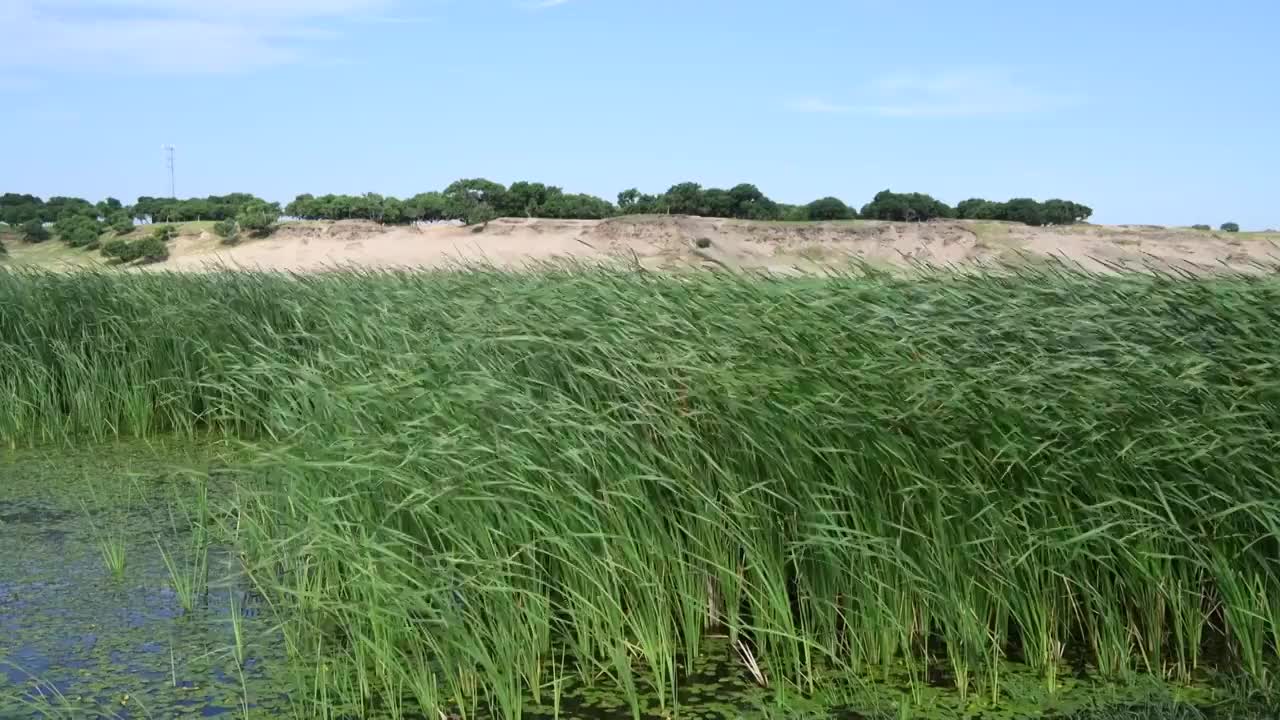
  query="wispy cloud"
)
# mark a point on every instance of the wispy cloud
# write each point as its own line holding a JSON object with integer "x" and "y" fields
{"x": 949, "y": 93}
{"x": 544, "y": 4}
{"x": 170, "y": 36}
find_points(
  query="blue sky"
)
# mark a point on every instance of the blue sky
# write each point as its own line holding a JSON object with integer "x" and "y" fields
{"x": 1151, "y": 112}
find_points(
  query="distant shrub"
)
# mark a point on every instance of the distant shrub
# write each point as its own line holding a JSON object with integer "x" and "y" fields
{"x": 164, "y": 233}
{"x": 829, "y": 208}
{"x": 258, "y": 217}
{"x": 228, "y": 230}
{"x": 34, "y": 231}
{"x": 116, "y": 249}
{"x": 131, "y": 252}
{"x": 1229, "y": 227}
{"x": 1201, "y": 227}
{"x": 120, "y": 223}
{"x": 149, "y": 250}
{"x": 80, "y": 232}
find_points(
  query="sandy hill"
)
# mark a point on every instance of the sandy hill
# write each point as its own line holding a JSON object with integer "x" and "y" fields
{"x": 668, "y": 242}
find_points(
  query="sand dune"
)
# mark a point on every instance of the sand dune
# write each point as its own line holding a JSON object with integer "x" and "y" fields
{"x": 674, "y": 242}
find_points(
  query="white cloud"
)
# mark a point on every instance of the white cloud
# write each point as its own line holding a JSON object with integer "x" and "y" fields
{"x": 949, "y": 93}
{"x": 167, "y": 36}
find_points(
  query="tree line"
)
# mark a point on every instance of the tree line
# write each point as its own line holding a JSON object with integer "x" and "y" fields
{"x": 478, "y": 200}
{"x": 18, "y": 209}
{"x": 102, "y": 226}
{"x": 471, "y": 201}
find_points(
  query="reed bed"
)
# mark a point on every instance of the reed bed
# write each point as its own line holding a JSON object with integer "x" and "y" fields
{"x": 467, "y": 486}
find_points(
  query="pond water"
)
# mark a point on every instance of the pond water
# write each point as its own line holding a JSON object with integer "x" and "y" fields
{"x": 77, "y": 641}
{"x": 81, "y": 637}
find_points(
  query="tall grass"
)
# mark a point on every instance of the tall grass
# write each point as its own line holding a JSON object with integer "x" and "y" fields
{"x": 468, "y": 481}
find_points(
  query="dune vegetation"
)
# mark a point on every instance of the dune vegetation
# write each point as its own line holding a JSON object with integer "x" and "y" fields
{"x": 464, "y": 492}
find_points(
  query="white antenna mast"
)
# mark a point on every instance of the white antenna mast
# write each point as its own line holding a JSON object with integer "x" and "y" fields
{"x": 168, "y": 157}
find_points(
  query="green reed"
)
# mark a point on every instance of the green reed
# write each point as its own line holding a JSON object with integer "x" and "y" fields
{"x": 459, "y": 479}
{"x": 112, "y": 543}
{"x": 114, "y": 555}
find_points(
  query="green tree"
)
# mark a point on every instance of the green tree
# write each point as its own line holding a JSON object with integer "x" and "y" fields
{"x": 393, "y": 211}
{"x": 34, "y": 231}
{"x": 228, "y": 230}
{"x": 913, "y": 207}
{"x": 1229, "y": 227}
{"x": 303, "y": 207}
{"x": 258, "y": 218}
{"x": 633, "y": 202}
{"x": 338, "y": 207}
{"x": 828, "y": 208}
{"x": 17, "y": 209}
{"x": 628, "y": 199}
{"x": 794, "y": 213}
{"x": 197, "y": 209}
{"x": 479, "y": 214}
{"x": 685, "y": 199}
{"x": 1080, "y": 212}
{"x": 1063, "y": 212}
{"x": 526, "y": 199}
{"x": 108, "y": 207}
{"x": 463, "y": 197}
{"x": 120, "y": 222}
{"x": 213, "y": 207}
{"x": 147, "y": 208}
{"x": 717, "y": 203}
{"x": 368, "y": 206}
{"x": 78, "y": 230}
{"x": 427, "y": 207}
{"x": 325, "y": 207}
{"x": 979, "y": 209}
{"x": 1201, "y": 227}
{"x": 751, "y": 204}
{"x": 1024, "y": 210}
{"x": 576, "y": 206}
{"x": 58, "y": 207}
{"x": 164, "y": 233}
